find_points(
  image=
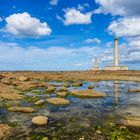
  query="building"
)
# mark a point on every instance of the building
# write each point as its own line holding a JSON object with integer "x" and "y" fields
{"x": 95, "y": 65}
{"x": 116, "y": 61}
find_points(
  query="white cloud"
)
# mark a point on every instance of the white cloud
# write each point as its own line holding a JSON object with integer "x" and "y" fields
{"x": 53, "y": 2}
{"x": 22, "y": 24}
{"x": 93, "y": 40}
{"x": 74, "y": 16}
{"x": 119, "y": 7}
{"x": 125, "y": 27}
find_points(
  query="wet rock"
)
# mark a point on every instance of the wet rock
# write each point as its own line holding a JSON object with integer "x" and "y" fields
{"x": 134, "y": 90}
{"x": 87, "y": 93}
{"x": 21, "y": 109}
{"x": 12, "y": 96}
{"x": 62, "y": 94}
{"x": 131, "y": 121}
{"x": 40, "y": 120}
{"x": 76, "y": 84}
{"x": 5, "y": 131}
{"x": 1, "y": 99}
{"x": 23, "y": 78}
{"x": 40, "y": 102}
{"x": 50, "y": 89}
{"x": 58, "y": 101}
{"x": 63, "y": 89}
{"x": 91, "y": 86}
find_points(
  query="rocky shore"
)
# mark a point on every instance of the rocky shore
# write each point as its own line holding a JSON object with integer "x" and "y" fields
{"x": 44, "y": 89}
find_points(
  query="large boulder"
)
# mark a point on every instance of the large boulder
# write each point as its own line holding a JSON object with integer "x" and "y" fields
{"x": 40, "y": 120}
{"x": 87, "y": 93}
{"x": 40, "y": 102}
{"x": 58, "y": 101}
{"x": 5, "y": 131}
{"x": 21, "y": 109}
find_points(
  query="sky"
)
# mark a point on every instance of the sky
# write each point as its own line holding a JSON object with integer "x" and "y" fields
{"x": 56, "y": 35}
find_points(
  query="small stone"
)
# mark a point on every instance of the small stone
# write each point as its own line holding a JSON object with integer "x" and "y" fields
{"x": 58, "y": 101}
{"x": 91, "y": 86}
{"x": 45, "y": 138}
{"x": 40, "y": 102}
{"x": 23, "y": 78}
{"x": 62, "y": 94}
{"x": 50, "y": 89}
{"x": 40, "y": 120}
{"x": 63, "y": 89}
{"x": 98, "y": 132}
{"x": 1, "y": 99}
{"x": 76, "y": 84}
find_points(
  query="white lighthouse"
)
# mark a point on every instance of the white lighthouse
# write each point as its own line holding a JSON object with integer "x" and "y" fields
{"x": 116, "y": 65}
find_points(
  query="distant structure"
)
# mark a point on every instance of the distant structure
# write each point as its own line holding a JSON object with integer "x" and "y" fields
{"x": 95, "y": 65}
{"x": 116, "y": 63}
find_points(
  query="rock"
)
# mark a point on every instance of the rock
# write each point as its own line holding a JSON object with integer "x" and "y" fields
{"x": 58, "y": 101}
{"x": 91, "y": 86}
{"x": 87, "y": 93}
{"x": 45, "y": 138}
{"x": 21, "y": 109}
{"x": 23, "y": 78}
{"x": 131, "y": 121}
{"x": 40, "y": 120}
{"x": 5, "y": 131}
{"x": 62, "y": 94}
{"x": 40, "y": 102}
{"x": 63, "y": 89}
{"x": 1, "y": 99}
{"x": 12, "y": 96}
{"x": 98, "y": 132}
{"x": 50, "y": 89}
{"x": 134, "y": 90}
{"x": 76, "y": 84}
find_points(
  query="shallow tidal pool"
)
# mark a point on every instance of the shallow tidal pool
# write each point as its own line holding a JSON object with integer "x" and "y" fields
{"x": 83, "y": 119}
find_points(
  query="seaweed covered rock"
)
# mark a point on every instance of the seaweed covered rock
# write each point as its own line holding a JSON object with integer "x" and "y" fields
{"x": 21, "y": 109}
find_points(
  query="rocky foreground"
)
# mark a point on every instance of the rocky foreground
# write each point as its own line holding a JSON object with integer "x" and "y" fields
{"x": 14, "y": 85}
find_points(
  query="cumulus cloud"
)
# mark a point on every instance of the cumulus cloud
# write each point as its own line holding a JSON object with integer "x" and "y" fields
{"x": 125, "y": 27}
{"x": 53, "y": 2}
{"x": 119, "y": 7}
{"x": 74, "y": 16}
{"x": 22, "y": 24}
{"x": 93, "y": 40}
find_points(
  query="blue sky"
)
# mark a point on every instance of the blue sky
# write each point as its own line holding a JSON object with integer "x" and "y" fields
{"x": 68, "y": 35}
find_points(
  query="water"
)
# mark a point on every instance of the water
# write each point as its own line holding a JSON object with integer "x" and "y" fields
{"x": 82, "y": 114}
